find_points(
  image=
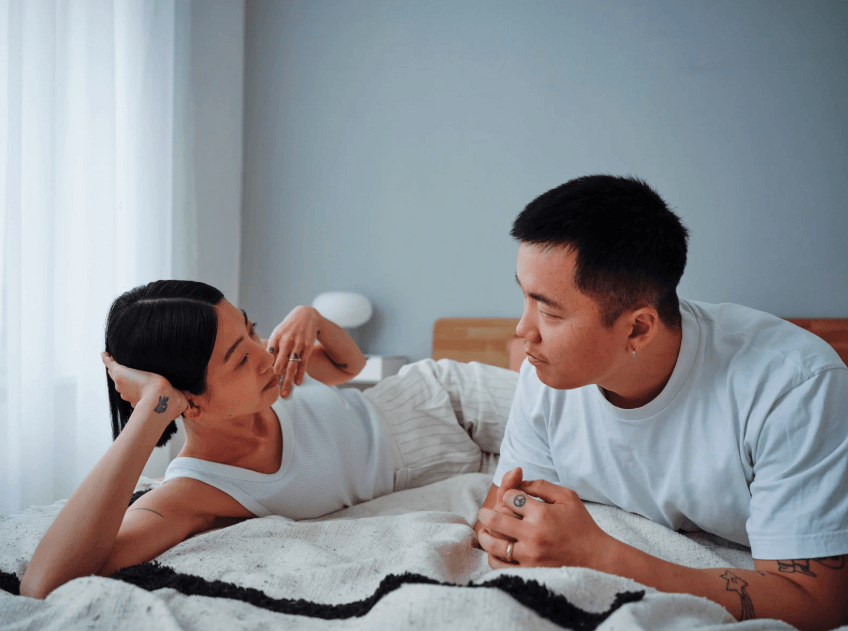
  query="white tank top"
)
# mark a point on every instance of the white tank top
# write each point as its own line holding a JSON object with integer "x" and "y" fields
{"x": 335, "y": 454}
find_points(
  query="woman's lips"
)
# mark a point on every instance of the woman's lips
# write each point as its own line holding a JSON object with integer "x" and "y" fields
{"x": 274, "y": 380}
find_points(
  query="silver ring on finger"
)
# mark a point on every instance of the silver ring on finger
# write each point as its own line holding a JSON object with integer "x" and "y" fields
{"x": 509, "y": 548}
{"x": 294, "y": 357}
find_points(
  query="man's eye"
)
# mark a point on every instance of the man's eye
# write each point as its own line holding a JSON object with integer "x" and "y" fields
{"x": 244, "y": 361}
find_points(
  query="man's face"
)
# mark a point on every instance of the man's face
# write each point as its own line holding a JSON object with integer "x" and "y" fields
{"x": 561, "y": 327}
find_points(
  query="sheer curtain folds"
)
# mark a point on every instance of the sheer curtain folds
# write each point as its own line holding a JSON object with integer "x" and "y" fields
{"x": 87, "y": 185}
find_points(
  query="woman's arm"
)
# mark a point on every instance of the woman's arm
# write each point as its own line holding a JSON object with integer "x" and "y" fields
{"x": 323, "y": 349}
{"x": 82, "y": 538}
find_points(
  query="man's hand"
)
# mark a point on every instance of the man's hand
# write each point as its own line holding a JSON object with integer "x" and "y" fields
{"x": 494, "y": 499}
{"x": 557, "y": 530}
{"x": 554, "y": 530}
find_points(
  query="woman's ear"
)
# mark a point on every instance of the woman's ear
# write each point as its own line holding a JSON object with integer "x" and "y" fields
{"x": 194, "y": 410}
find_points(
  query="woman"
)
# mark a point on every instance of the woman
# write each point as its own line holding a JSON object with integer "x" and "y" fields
{"x": 180, "y": 348}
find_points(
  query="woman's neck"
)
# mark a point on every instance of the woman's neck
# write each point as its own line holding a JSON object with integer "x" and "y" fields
{"x": 247, "y": 442}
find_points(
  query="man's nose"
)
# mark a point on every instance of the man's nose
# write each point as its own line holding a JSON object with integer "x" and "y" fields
{"x": 527, "y": 330}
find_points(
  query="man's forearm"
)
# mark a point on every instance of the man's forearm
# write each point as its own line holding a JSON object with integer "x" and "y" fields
{"x": 744, "y": 593}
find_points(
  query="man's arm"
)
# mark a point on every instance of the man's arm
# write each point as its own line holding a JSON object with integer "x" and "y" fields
{"x": 558, "y": 531}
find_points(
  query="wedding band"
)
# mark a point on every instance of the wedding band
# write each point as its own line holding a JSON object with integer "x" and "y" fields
{"x": 509, "y": 547}
{"x": 294, "y": 358}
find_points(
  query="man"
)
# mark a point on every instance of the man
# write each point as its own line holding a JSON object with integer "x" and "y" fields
{"x": 699, "y": 417}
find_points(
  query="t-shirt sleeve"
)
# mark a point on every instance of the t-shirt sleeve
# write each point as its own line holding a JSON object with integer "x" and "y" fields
{"x": 799, "y": 494}
{"x": 525, "y": 442}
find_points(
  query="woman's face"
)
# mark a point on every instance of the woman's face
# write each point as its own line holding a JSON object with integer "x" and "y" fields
{"x": 240, "y": 377}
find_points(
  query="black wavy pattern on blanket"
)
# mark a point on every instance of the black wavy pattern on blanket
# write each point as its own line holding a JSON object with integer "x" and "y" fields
{"x": 9, "y": 582}
{"x": 533, "y": 595}
{"x": 554, "y": 607}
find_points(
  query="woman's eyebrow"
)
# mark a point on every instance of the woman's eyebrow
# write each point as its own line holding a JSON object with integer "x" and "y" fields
{"x": 238, "y": 341}
{"x": 233, "y": 348}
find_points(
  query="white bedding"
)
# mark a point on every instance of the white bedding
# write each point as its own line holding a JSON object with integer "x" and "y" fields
{"x": 342, "y": 558}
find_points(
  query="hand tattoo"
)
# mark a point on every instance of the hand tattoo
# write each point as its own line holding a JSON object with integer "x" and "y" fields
{"x": 519, "y": 500}
{"x": 736, "y": 584}
{"x": 163, "y": 405}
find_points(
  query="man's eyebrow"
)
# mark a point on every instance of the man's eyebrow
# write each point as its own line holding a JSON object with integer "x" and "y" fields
{"x": 238, "y": 341}
{"x": 550, "y": 302}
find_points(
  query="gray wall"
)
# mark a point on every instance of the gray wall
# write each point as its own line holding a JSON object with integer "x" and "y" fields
{"x": 209, "y": 91}
{"x": 389, "y": 145}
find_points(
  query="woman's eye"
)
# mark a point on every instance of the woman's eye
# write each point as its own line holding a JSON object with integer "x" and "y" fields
{"x": 244, "y": 361}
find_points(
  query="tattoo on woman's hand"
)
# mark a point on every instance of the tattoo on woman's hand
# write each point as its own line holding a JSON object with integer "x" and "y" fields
{"x": 519, "y": 501}
{"x": 163, "y": 405}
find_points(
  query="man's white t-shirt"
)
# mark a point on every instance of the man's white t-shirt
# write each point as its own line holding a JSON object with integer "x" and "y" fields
{"x": 748, "y": 440}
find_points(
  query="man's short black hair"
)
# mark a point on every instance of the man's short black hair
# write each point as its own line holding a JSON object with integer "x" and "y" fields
{"x": 630, "y": 246}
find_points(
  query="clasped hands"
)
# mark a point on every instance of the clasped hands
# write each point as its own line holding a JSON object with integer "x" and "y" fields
{"x": 547, "y": 525}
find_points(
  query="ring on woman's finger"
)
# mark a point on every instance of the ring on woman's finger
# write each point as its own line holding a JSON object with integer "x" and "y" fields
{"x": 509, "y": 548}
{"x": 294, "y": 358}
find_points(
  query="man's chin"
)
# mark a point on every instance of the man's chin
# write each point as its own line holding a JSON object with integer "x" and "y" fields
{"x": 554, "y": 380}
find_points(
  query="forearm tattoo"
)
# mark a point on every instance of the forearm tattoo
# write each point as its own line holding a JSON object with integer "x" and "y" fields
{"x": 335, "y": 363}
{"x": 163, "y": 405}
{"x": 736, "y": 584}
{"x": 802, "y": 566}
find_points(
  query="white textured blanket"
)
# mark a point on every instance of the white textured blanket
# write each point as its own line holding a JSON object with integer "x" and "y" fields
{"x": 407, "y": 560}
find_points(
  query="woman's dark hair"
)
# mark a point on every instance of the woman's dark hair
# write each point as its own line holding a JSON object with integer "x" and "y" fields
{"x": 167, "y": 327}
{"x": 629, "y": 245}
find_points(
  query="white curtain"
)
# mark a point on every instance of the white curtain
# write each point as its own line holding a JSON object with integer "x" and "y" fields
{"x": 87, "y": 122}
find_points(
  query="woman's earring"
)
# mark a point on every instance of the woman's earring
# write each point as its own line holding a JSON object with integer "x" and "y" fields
{"x": 634, "y": 353}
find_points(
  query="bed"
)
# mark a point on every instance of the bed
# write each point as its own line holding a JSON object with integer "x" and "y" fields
{"x": 406, "y": 560}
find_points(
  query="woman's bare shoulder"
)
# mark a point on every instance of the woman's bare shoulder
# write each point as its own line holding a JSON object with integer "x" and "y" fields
{"x": 194, "y": 499}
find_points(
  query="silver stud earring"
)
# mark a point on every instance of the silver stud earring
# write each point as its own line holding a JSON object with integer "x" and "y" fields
{"x": 634, "y": 353}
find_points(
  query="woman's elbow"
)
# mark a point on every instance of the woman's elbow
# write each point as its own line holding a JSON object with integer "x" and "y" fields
{"x": 33, "y": 587}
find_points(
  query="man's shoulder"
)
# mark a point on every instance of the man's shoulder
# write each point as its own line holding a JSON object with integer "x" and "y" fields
{"x": 746, "y": 335}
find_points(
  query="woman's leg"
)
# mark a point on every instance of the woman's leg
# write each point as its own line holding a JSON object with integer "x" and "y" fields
{"x": 441, "y": 415}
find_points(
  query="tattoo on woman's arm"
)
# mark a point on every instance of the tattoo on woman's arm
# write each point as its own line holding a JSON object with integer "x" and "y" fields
{"x": 163, "y": 405}
{"x": 150, "y": 510}
{"x": 736, "y": 584}
{"x": 333, "y": 362}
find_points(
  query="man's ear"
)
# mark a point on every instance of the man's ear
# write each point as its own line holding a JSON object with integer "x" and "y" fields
{"x": 194, "y": 410}
{"x": 645, "y": 322}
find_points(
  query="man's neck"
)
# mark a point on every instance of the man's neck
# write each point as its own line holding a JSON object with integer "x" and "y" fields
{"x": 652, "y": 368}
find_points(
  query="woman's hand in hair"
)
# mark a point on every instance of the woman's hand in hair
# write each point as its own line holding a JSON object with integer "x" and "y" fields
{"x": 134, "y": 385}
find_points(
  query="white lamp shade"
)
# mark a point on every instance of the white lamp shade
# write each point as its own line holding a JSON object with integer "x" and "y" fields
{"x": 345, "y": 308}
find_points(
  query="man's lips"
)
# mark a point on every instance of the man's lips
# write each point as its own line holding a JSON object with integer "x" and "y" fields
{"x": 534, "y": 358}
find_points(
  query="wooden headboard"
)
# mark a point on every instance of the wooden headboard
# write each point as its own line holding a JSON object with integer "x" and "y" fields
{"x": 488, "y": 340}
{"x": 484, "y": 340}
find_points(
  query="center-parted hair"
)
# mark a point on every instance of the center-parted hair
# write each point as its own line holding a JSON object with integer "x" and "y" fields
{"x": 167, "y": 327}
{"x": 629, "y": 245}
